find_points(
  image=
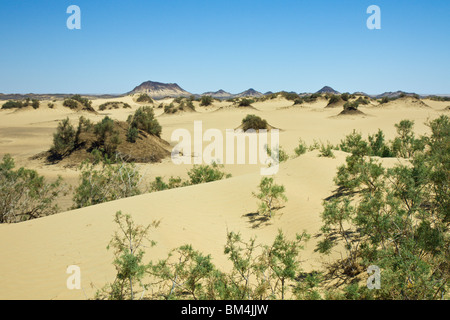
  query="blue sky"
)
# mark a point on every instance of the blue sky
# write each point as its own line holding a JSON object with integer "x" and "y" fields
{"x": 233, "y": 45}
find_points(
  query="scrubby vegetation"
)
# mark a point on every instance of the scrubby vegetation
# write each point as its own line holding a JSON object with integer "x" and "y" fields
{"x": 77, "y": 102}
{"x": 113, "y": 105}
{"x": 277, "y": 154}
{"x": 13, "y": 104}
{"x": 183, "y": 105}
{"x": 144, "y": 98}
{"x": 307, "y": 99}
{"x": 351, "y": 106}
{"x": 244, "y": 102}
{"x": 439, "y": 98}
{"x": 106, "y": 181}
{"x": 107, "y": 136}
{"x": 301, "y": 148}
{"x": 254, "y": 122}
{"x": 63, "y": 139}
{"x": 24, "y": 194}
{"x": 396, "y": 219}
{"x": 258, "y": 271}
{"x": 206, "y": 101}
{"x": 271, "y": 196}
{"x": 198, "y": 174}
{"x": 144, "y": 119}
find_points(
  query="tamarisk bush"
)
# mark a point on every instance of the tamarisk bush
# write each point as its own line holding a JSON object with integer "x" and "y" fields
{"x": 128, "y": 244}
{"x": 25, "y": 195}
{"x": 271, "y": 196}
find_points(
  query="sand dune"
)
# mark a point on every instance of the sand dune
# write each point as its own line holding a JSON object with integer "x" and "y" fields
{"x": 34, "y": 255}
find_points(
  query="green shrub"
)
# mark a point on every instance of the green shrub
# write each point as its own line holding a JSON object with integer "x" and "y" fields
{"x": 254, "y": 122}
{"x": 106, "y": 182}
{"x": 25, "y": 195}
{"x": 351, "y": 106}
{"x": 245, "y": 102}
{"x": 271, "y": 195}
{"x": 289, "y": 95}
{"x": 326, "y": 151}
{"x": 384, "y": 100}
{"x": 13, "y": 105}
{"x": 144, "y": 98}
{"x": 206, "y": 173}
{"x": 334, "y": 99}
{"x": 378, "y": 147}
{"x": 159, "y": 185}
{"x": 132, "y": 134}
{"x": 206, "y": 101}
{"x": 64, "y": 140}
{"x": 398, "y": 221}
{"x": 84, "y": 101}
{"x": 277, "y": 154}
{"x": 128, "y": 246}
{"x": 107, "y": 136}
{"x": 301, "y": 148}
{"x": 345, "y": 96}
{"x": 144, "y": 119}
{"x": 70, "y": 103}
{"x": 298, "y": 101}
{"x": 35, "y": 104}
{"x": 362, "y": 100}
{"x": 170, "y": 108}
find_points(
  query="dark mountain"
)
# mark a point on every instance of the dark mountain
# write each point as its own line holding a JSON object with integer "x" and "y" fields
{"x": 249, "y": 93}
{"x": 221, "y": 94}
{"x": 158, "y": 90}
{"x": 327, "y": 89}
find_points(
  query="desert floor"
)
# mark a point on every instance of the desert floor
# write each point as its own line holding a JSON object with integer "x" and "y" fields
{"x": 34, "y": 255}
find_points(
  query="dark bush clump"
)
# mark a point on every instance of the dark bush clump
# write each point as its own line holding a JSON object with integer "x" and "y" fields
{"x": 252, "y": 121}
{"x": 144, "y": 119}
{"x": 245, "y": 102}
{"x": 13, "y": 105}
{"x": 206, "y": 101}
{"x": 144, "y": 98}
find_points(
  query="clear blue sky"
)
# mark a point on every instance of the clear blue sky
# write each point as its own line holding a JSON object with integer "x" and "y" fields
{"x": 206, "y": 45}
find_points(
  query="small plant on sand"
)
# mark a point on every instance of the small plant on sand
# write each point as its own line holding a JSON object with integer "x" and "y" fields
{"x": 128, "y": 245}
{"x": 159, "y": 185}
{"x": 301, "y": 148}
{"x": 206, "y": 173}
{"x": 271, "y": 195}
{"x": 326, "y": 151}
{"x": 277, "y": 154}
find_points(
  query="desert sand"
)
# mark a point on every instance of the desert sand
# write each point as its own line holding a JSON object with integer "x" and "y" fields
{"x": 34, "y": 255}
